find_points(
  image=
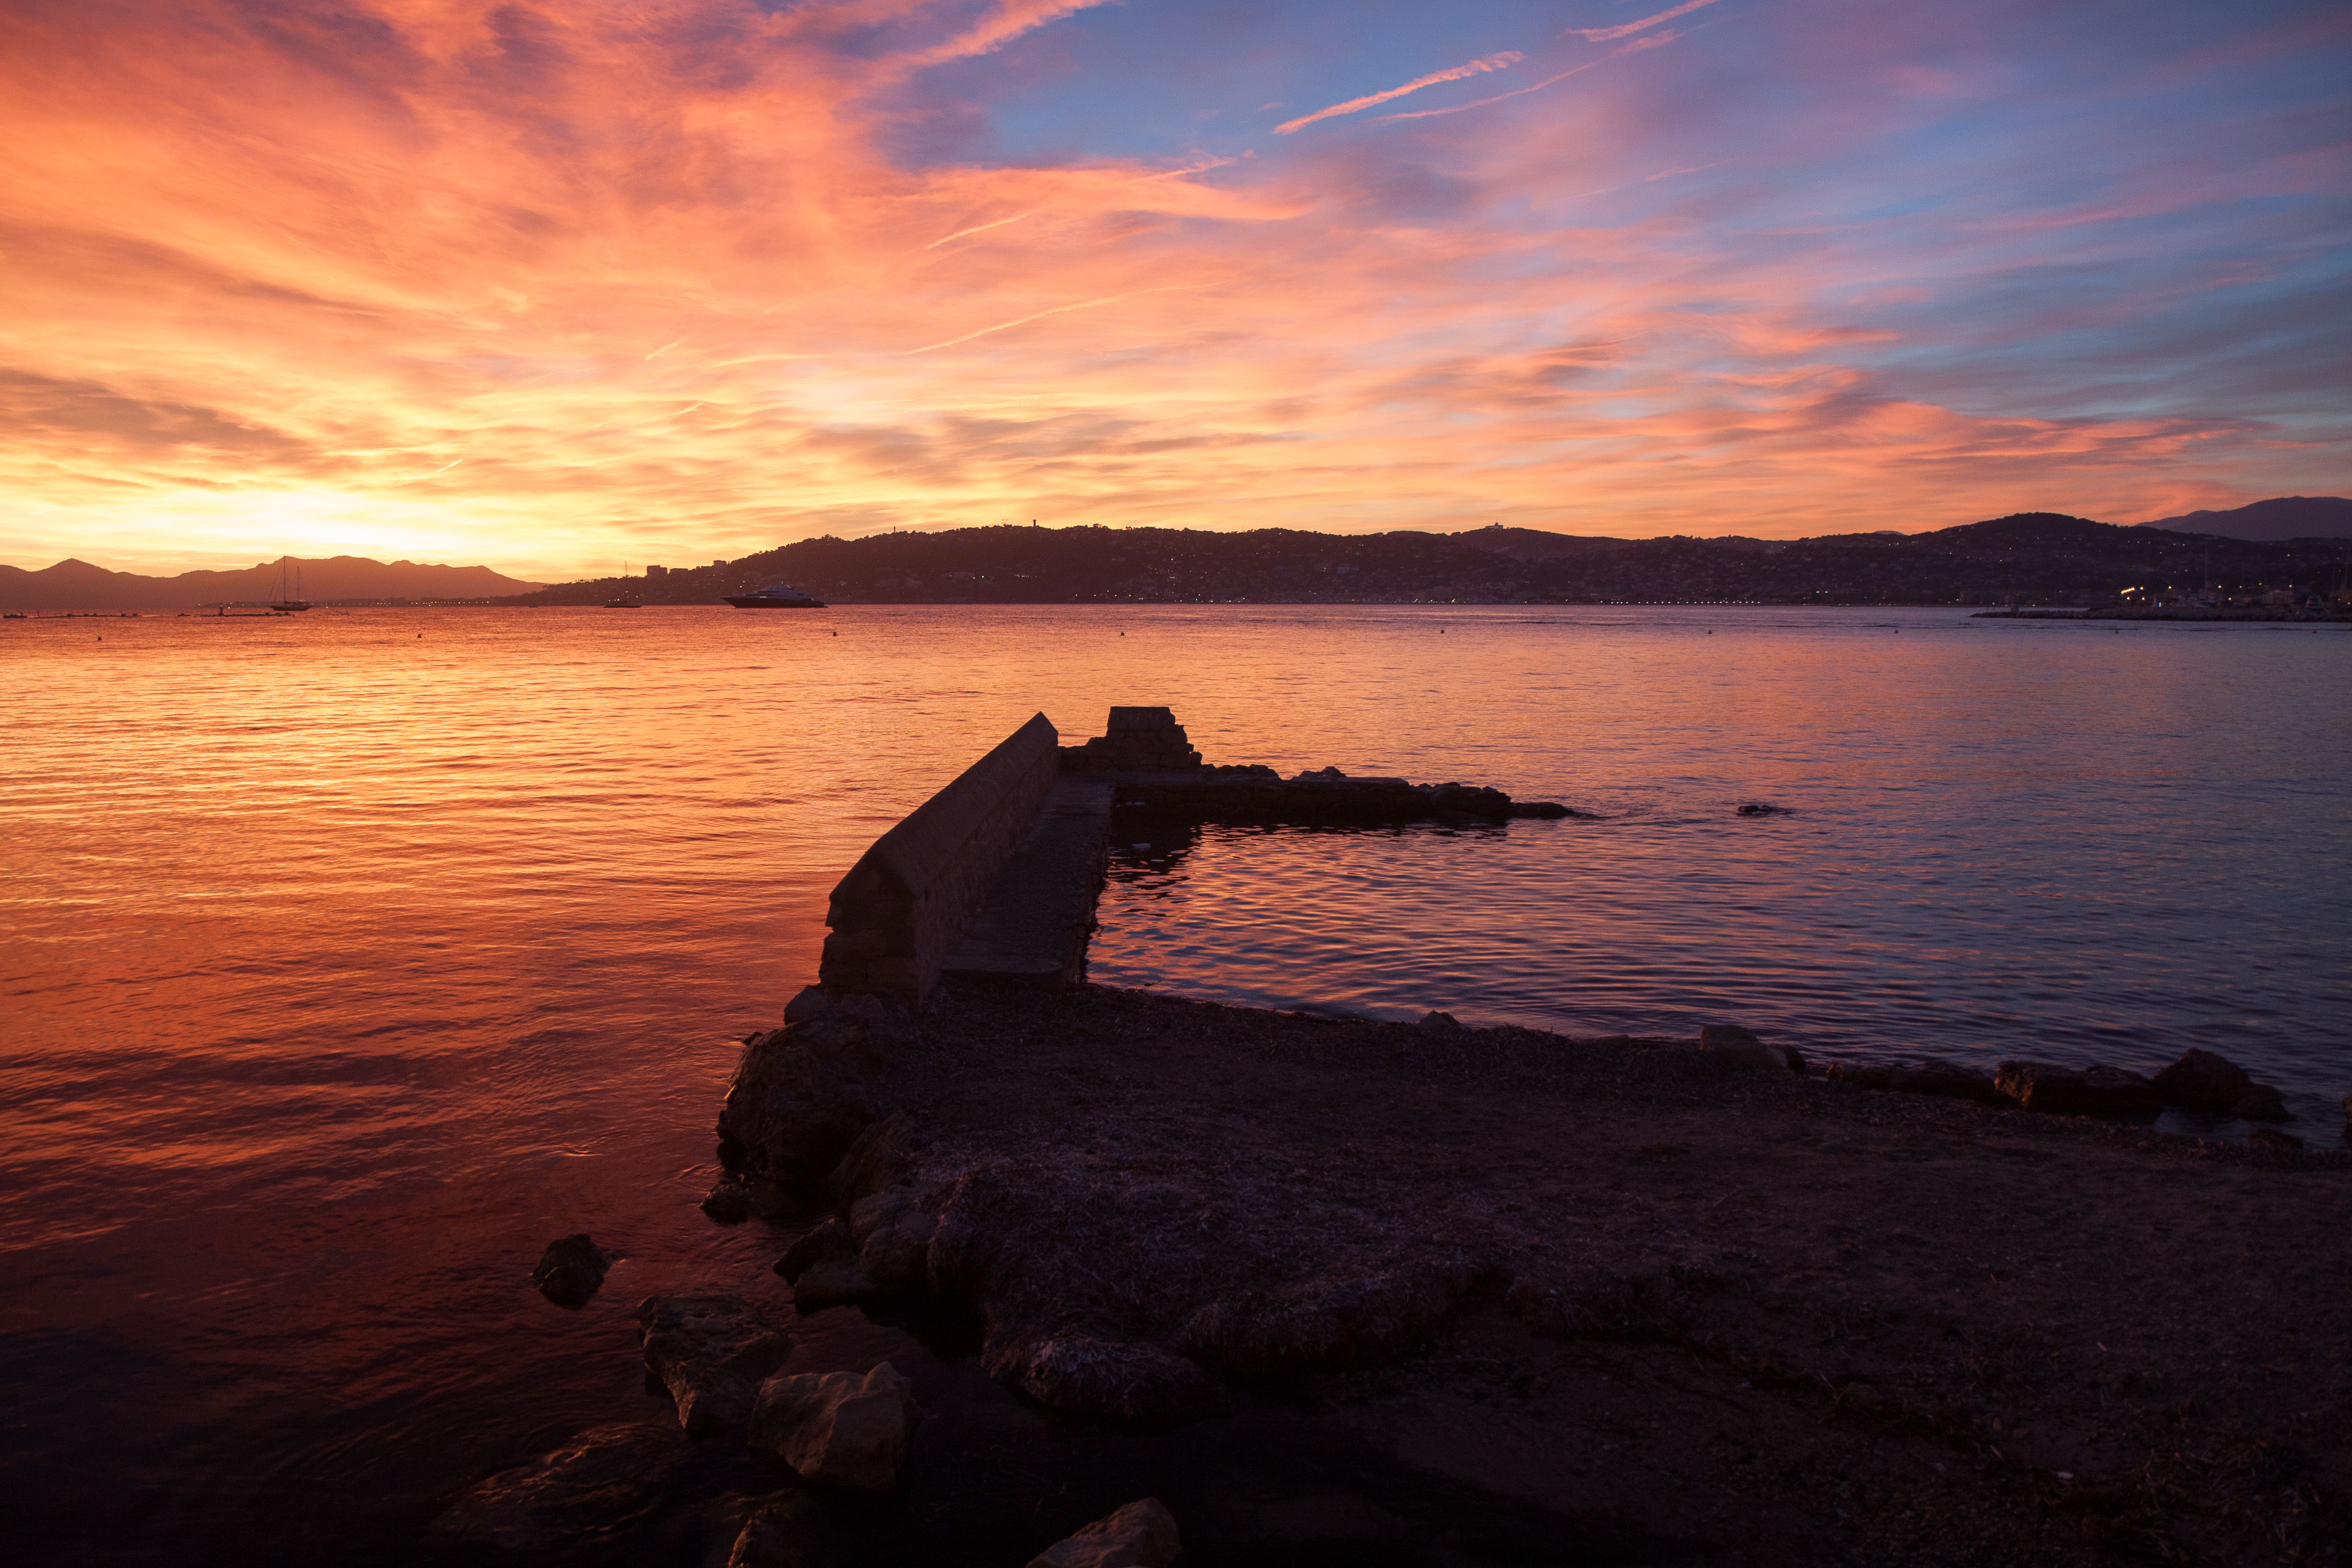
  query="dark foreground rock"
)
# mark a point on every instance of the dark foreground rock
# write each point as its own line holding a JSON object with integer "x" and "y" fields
{"x": 837, "y": 1429}
{"x": 1928, "y": 1076}
{"x": 2096, "y": 1091}
{"x": 2202, "y": 1080}
{"x": 570, "y": 1271}
{"x": 1140, "y": 1535}
{"x": 2214, "y": 1085}
{"x": 1736, "y": 1317}
{"x": 710, "y": 1352}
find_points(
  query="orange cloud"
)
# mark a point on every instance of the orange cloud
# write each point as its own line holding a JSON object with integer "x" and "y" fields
{"x": 554, "y": 286}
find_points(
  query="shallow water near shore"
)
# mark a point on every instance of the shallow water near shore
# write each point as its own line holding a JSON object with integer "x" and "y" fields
{"x": 352, "y": 957}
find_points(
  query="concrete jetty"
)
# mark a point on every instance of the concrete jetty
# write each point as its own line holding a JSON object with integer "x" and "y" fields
{"x": 996, "y": 878}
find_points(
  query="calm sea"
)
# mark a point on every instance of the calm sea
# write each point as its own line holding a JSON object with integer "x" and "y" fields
{"x": 349, "y": 958}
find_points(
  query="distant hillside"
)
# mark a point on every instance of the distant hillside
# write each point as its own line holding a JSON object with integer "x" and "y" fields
{"x": 79, "y": 586}
{"x": 2038, "y": 556}
{"x": 2283, "y": 517}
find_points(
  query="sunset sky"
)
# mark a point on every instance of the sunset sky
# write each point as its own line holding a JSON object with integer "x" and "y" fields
{"x": 553, "y": 287}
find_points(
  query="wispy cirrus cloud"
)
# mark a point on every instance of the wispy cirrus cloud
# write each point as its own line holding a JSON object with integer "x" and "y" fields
{"x": 1611, "y": 35}
{"x": 1502, "y": 61}
{"x": 273, "y": 270}
{"x": 1657, "y": 40}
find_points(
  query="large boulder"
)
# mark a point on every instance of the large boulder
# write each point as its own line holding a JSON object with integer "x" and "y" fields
{"x": 570, "y": 1270}
{"x": 837, "y": 1429}
{"x": 2202, "y": 1081}
{"x": 1082, "y": 1375}
{"x": 710, "y": 1352}
{"x": 1140, "y": 1535}
{"x": 894, "y": 1238}
{"x": 2094, "y": 1090}
{"x": 798, "y": 1099}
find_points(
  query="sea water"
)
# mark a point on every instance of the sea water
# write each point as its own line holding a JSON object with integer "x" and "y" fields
{"x": 350, "y": 957}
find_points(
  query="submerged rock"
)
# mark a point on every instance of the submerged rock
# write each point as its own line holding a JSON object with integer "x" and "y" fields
{"x": 710, "y": 1352}
{"x": 598, "y": 1480}
{"x": 1082, "y": 1375}
{"x": 729, "y": 1203}
{"x": 2094, "y": 1090}
{"x": 1140, "y": 1535}
{"x": 837, "y": 1429}
{"x": 784, "y": 1530}
{"x": 570, "y": 1271}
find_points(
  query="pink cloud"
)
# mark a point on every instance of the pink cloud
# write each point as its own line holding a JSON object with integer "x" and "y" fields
{"x": 1610, "y": 35}
{"x": 1503, "y": 61}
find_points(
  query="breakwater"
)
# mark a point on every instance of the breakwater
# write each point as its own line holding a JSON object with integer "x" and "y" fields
{"x": 1155, "y": 1217}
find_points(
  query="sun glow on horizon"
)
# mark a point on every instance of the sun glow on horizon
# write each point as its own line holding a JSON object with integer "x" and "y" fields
{"x": 551, "y": 288}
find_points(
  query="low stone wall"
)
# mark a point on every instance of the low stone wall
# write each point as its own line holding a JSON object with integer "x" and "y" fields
{"x": 916, "y": 891}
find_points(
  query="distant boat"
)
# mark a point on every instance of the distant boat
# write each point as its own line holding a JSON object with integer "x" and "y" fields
{"x": 622, "y": 604}
{"x": 777, "y": 596}
{"x": 289, "y": 602}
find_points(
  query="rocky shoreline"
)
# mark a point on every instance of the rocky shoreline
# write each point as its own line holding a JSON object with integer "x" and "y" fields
{"x": 1518, "y": 1298}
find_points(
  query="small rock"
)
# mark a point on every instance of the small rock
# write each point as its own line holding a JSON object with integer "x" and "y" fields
{"x": 2200, "y": 1080}
{"x": 835, "y": 1283}
{"x": 837, "y": 1429}
{"x": 729, "y": 1203}
{"x": 828, "y": 1242}
{"x": 2096, "y": 1090}
{"x": 1541, "y": 810}
{"x": 1758, "y": 808}
{"x": 2261, "y": 1102}
{"x": 710, "y": 1352}
{"x": 1745, "y": 1047}
{"x": 2274, "y": 1140}
{"x": 787, "y": 1530}
{"x": 1439, "y": 1021}
{"x": 570, "y": 1270}
{"x": 1140, "y": 1535}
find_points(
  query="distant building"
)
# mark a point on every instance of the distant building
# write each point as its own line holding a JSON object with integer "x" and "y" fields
{"x": 656, "y": 571}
